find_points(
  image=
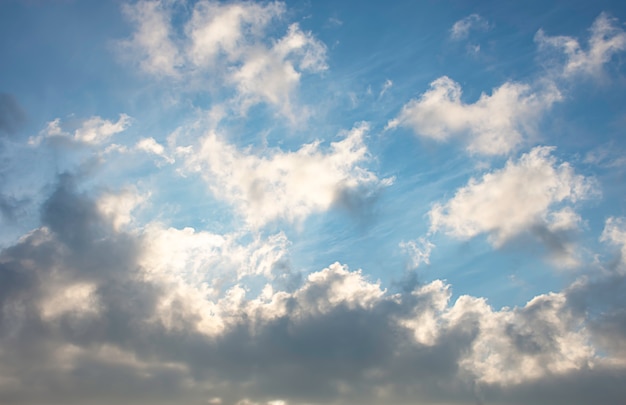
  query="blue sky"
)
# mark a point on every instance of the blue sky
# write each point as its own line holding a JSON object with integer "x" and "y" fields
{"x": 312, "y": 202}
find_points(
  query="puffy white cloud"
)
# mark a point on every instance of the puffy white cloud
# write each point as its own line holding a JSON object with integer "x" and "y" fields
{"x": 217, "y": 29}
{"x": 272, "y": 75}
{"x": 92, "y": 131}
{"x": 542, "y": 338}
{"x": 525, "y": 195}
{"x": 228, "y": 43}
{"x": 494, "y": 125}
{"x": 286, "y": 185}
{"x": 461, "y": 28}
{"x": 607, "y": 39}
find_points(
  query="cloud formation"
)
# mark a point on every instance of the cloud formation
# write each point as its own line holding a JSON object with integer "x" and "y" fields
{"x": 606, "y": 40}
{"x": 97, "y": 307}
{"x": 228, "y": 41}
{"x": 130, "y": 288}
{"x": 532, "y": 194}
{"x": 461, "y": 29}
{"x": 287, "y": 185}
{"x": 493, "y": 125}
{"x": 92, "y": 131}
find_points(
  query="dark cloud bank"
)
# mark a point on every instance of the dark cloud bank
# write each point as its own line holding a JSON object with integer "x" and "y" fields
{"x": 102, "y": 341}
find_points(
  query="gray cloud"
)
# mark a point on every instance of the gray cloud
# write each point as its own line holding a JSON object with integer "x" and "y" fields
{"x": 11, "y": 114}
{"x": 80, "y": 323}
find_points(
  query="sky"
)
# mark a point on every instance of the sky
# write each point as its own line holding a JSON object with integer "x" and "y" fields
{"x": 312, "y": 202}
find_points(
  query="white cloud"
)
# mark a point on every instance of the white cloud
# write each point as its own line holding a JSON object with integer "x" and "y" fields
{"x": 118, "y": 207}
{"x": 529, "y": 343}
{"x": 92, "y": 131}
{"x": 216, "y": 30}
{"x": 607, "y": 39}
{"x": 228, "y": 43}
{"x": 286, "y": 185}
{"x": 418, "y": 251}
{"x": 150, "y": 145}
{"x": 152, "y": 42}
{"x": 272, "y": 75}
{"x": 494, "y": 125}
{"x": 194, "y": 266}
{"x": 461, "y": 28}
{"x": 615, "y": 233}
{"x": 526, "y": 193}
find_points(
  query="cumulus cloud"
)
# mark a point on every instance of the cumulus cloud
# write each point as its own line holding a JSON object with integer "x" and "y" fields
{"x": 103, "y": 311}
{"x": 287, "y": 185}
{"x": 606, "y": 40}
{"x": 229, "y": 41}
{"x": 462, "y": 28}
{"x": 493, "y": 125}
{"x": 530, "y": 194}
{"x": 92, "y": 131}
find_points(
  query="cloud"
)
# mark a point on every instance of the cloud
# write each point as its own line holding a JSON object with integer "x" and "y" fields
{"x": 493, "y": 125}
{"x": 461, "y": 29}
{"x": 606, "y": 40}
{"x": 287, "y": 185}
{"x": 11, "y": 207}
{"x": 216, "y": 30}
{"x": 228, "y": 41}
{"x": 152, "y": 42}
{"x": 386, "y": 86}
{"x": 530, "y": 194}
{"x": 11, "y": 114}
{"x": 151, "y": 146}
{"x": 91, "y": 310}
{"x": 92, "y": 131}
{"x": 418, "y": 250}
{"x": 615, "y": 234}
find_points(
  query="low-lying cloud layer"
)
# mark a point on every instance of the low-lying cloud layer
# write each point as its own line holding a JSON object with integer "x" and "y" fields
{"x": 88, "y": 309}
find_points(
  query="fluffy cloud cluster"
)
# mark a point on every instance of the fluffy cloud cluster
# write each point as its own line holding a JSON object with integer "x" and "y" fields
{"x": 493, "y": 125}
{"x": 104, "y": 312}
{"x": 227, "y": 40}
{"x": 527, "y": 195}
{"x": 287, "y": 185}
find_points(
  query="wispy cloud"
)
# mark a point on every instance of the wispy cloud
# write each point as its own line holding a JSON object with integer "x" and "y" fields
{"x": 606, "y": 40}
{"x": 92, "y": 131}
{"x": 473, "y": 22}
